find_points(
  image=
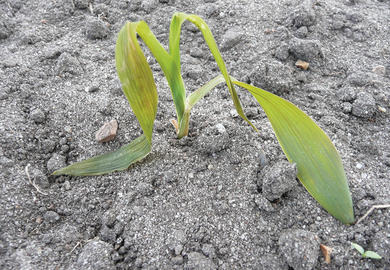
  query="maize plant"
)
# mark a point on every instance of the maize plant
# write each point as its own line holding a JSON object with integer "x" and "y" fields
{"x": 320, "y": 169}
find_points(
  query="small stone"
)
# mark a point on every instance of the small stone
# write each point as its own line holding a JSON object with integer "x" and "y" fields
{"x": 38, "y": 116}
{"x": 96, "y": 29}
{"x": 346, "y": 94}
{"x": 196, "y": 52}
{"x": 56, "y": 162}
{"x": 231, "y": 38}
{"x": 208, "y": 250}
{"x": 107, "y": 132}
{"x": 107, "y": 235}
{"x": 278, "y": 179}
{"x": 149, "y": 5}
{"x": 304, "y": 15}
{"x": 347, "y": 107}
{"x": 220, "y": 128}
{"x": 197, "y": 260}
{"x": 177, "y": 260}
{"x": 302, "y": 32}
{"x": 359, "y": 165}
{"x": 302, "y": 64}
{"x": 5, "y": 30}
{"x": 81, "y": 4}
{"x": 364, "y": 106}
{"x": 299, "y": 248}
{"x": 380, "y": 70}
{"x": 95, "y": 255}
{"x": 263, "y": 204}
{"x": 67, "y": 185}
{"x": 92, "y": 88}
{"x": 194, "y": 72}
{"x": 145, "y": 189}
{"x": 67, "y": 63}
{"x": 381, "y": 109}
{"x": 51, "y": 217}
{"x": 306, "y": 50}
{"x": 282, "y": 53}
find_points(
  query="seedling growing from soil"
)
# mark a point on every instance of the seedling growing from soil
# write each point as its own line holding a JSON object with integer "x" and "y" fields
{"x": 319, "y": 165}
{"x": 366, "y": 254}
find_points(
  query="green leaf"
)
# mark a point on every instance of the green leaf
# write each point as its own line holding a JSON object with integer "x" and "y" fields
{"x": 372, "y": 255}
{"x": 358, "y": 248}
{"x": 136, "y": 78}
{"x": 319, "y": 165}
{"x": 118, "y": 160}
{"x": 174, "y": 48}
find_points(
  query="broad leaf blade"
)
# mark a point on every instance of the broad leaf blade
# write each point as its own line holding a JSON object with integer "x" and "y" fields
{"x": 118, "y": 160}
{"x": 319, "y": 165}
{"x": 136, "y": 78}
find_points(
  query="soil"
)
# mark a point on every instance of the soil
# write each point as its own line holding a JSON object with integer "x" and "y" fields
{"x": 199, "y": 202}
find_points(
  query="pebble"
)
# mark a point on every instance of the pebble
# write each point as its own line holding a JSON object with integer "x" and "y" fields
{"x": 67, "y": 185}
{"x": 67, "y": 63}
{"x": 96, "y": 254}
{"x": 51, "y": 217}
{"x": 304, "y": 15}
{"x": 5, "y": 32}
{"x": 302, "y": 32}
{"x": 56, "y": 162}
{"x": 282, "y": 53}
{"x": 346, "y": 94}
{"x": 278, "y": 179}
{"x": 177, "y": 260}
{"x": 92, "y": 88}
{"x": 149, "y": 5}
{"x": 196, "y": 52}
{"x": 145, "y": 189}
{"x": 299, "y": 248}
{"x": 380, "y": 70}
{"x": 306, "y": 50}
{"x": 302, "y": 64}
{"x": 359, "y": 165}
{"x": 96, "y": 29}
{"x": 231, "y": 38}
{"x": 38, "y": 116}
{"x": 263, "y": 204}
{"x": 364, "y": 106}
{"x": 107, "y": 235}
{"x": 107, "y": 132}
{"x": 81, "y": 4}
{"x": 194, "y": 71}
{"x": 197, "y": 260}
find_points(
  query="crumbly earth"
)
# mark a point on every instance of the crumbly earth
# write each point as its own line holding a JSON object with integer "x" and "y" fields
{"x": 197, "y": 203}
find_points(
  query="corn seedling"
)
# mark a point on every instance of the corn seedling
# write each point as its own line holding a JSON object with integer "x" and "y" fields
{"x": 319, "y": 165}
{"x": 367, "y": 253}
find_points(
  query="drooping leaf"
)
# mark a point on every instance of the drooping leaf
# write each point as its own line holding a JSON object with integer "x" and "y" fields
{"x": 319, "y": 165}
{"x": 118, "y": 160}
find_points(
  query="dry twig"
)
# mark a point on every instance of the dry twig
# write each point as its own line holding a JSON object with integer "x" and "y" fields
{"x": 32, "y": 182}
{"x": 378, "y": 206}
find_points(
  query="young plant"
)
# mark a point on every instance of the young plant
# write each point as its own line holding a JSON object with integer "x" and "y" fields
{"x": 319, "y": 165}
{"x": 366, "y": 254}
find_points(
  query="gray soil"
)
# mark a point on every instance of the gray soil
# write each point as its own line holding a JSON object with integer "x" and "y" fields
{"x": 222, "y": 198}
